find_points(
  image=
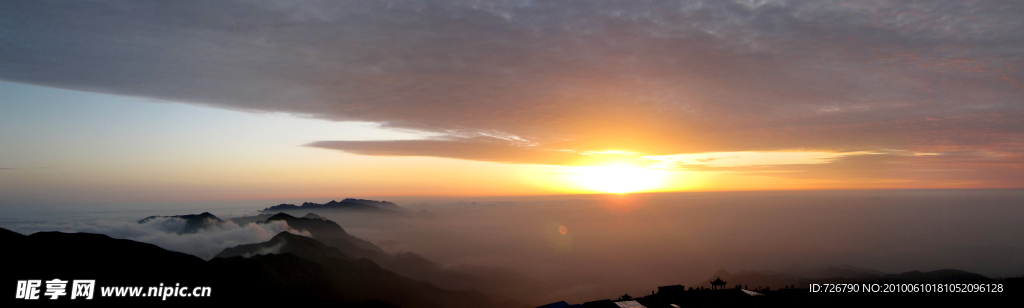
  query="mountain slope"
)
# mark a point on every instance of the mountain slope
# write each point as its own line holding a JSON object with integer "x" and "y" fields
{"x": 261, "y": 279}
{"x": 287, "y": 243}
{"x": 490, "y": 280}
{"x": 331, "y": 234}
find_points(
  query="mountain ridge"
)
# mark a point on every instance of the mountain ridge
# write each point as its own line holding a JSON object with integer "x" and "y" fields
{"x": 350, "y": 204}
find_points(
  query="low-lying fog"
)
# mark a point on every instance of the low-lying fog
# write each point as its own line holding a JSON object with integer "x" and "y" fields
{"x": 595, "y": 247}
{"x": 633, "y": 244}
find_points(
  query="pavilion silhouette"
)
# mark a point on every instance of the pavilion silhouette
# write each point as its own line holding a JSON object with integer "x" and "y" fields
{"x": 718, "y": 284}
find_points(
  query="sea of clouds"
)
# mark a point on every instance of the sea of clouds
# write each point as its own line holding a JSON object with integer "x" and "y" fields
{"x": 164, "y": 232}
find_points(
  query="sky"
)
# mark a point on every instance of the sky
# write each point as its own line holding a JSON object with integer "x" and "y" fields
{"x": 119, "y": 101}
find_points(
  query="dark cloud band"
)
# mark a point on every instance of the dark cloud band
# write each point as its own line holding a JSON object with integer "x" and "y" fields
{"x": 656, "y": 77}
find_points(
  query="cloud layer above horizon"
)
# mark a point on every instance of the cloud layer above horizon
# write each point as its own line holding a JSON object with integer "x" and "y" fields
{"x": 549, "y": 82}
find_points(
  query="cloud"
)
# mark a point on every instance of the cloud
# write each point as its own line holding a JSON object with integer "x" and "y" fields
{"x": 736, "y": 159}
{"x": 266, "y": 250}
{"x": 163, "y": 232}
{"x": 657, "y": 78}
{"x": 963, "y": 169}
{"x": 480, "y": 148}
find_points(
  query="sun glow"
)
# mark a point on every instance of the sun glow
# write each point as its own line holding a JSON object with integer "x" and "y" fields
{"x": 618, "y": 179}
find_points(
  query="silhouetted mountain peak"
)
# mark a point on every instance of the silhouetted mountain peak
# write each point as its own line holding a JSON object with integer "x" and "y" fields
{"x": 189, "y": 217}
{"x": 346, "y": 204}
{"x": 330, "y": 233}
{"x": 244, "y": 220}
{"x": 286, "y": 242}
{"x": 285, "y": 235}
{"x": 8, "y": 235}
{"x": 381, "y": 204}
{"x": 193, "y": 222}
{"x": 317, "y": 227}
{"x": 280, "y": 216}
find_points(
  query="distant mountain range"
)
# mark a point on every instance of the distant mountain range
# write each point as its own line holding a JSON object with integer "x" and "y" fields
{"x": 350, "y": 204}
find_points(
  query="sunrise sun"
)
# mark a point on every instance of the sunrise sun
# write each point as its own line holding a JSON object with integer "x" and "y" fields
{"x": 618, "y": 179}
